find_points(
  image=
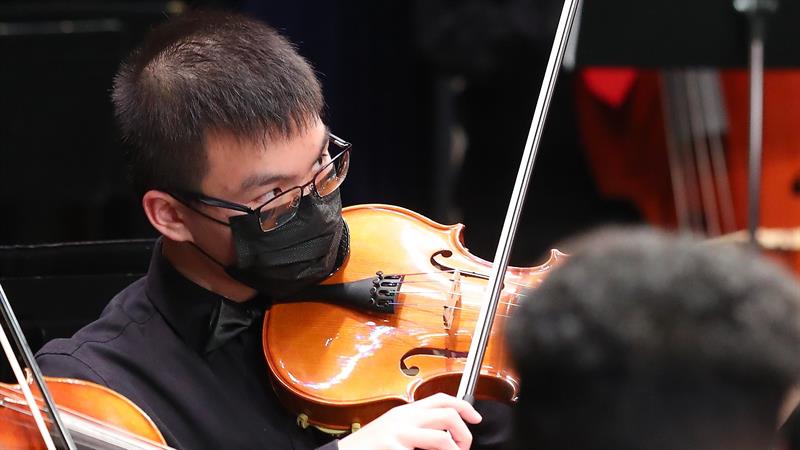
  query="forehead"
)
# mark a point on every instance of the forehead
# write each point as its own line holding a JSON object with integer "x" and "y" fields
{"x": 232, "y": 160}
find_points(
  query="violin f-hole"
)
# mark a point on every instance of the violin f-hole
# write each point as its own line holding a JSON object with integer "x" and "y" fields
{"x": 445, "y": 268}
{"x": 430, "y": 351}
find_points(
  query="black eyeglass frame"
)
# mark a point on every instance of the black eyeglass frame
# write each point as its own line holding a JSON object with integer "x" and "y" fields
{"x": 186, "y": 196}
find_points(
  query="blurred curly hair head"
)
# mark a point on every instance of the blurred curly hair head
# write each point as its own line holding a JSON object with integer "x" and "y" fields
{"x": 643, "y": 337}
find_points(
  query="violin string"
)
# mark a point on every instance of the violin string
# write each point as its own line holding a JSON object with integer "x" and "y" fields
{"x": 419, "y": 307}
{"x": 403, "y": 338}
{"x": 402, "y": 323}
{"x": 428, "y": 309}
{"x": 437, "y": 312}
{"x": 506, "y": 280}
{"x": 435, "y": 293}
{"x": 103, "y": 428}
{"x": 463, "y": 287}
{"x": 113, "y": 432}
{"x": 474, "y": 298}
{"x": 435, "y": 277}
{"x": 433, "y": 274}
{"x": 464, "y": 332}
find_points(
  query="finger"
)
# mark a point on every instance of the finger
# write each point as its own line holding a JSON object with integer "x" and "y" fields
{"x": 440, "y": 400}
{"x": 427, "y": 439}
{"x": 446, "y": 419}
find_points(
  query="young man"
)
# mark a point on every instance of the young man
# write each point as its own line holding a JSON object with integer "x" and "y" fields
{"x": 645, "y": 341}
{"x": 240, "y": 176}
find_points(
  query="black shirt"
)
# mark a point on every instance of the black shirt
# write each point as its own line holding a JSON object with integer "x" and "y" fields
{"x": 149, "y": 345}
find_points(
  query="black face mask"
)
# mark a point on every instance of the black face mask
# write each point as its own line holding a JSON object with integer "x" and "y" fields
{"x": 299, "y": 253}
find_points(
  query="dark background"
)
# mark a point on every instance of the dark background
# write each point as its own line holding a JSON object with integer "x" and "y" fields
{"x": 388, "y": 70}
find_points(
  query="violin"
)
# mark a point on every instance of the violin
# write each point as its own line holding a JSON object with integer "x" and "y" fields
{"x": 95, "y": 416}
{"x": 338, "y": 367}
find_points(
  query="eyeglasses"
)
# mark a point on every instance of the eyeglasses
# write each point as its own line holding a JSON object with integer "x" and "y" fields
{"x": 282, "y": 208}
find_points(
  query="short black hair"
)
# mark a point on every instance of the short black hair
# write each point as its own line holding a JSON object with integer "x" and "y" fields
{"x": 646, "y": 340}
{"x": 208, "y": 71}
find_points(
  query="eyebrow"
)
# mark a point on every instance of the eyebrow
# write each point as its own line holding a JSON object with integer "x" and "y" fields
{"x": 322, "y": 146}
{"x": 264, "y": 179}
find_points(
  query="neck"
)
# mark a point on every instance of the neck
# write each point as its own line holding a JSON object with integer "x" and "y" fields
{"x": 204, "y": 272}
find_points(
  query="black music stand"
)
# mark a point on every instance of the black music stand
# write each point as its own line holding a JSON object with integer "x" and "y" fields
{"x": 681, "y": 33}
{"x": 707, "y": 33}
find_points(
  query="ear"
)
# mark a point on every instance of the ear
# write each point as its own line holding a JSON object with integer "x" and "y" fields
{"x": 166, "y": 214}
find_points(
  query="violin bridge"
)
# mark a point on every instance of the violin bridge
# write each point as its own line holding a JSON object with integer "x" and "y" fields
{"x": 453, "y": 301}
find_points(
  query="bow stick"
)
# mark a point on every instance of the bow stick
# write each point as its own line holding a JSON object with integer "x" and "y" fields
{"x": 483, "y": 326}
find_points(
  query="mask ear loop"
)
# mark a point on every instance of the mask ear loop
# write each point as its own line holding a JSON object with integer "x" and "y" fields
{"x": 188, "y": 205}
{"x": 207, "y": 255}
{"x": 344, "y": 248}
{"x": 214, "y": 219}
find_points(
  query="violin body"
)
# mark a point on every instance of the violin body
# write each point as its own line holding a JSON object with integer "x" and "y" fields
{"x": 110, "y": 411}
{"x": 340, "y": 366}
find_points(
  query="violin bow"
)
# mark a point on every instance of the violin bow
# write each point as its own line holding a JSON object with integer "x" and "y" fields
{"x": 10, "y": 323}
{"x": 483, "y": 325}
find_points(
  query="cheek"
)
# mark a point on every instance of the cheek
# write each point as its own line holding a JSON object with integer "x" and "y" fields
{"x": 216, "y": 240}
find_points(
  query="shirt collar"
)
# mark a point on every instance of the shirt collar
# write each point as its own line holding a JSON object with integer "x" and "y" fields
{"x": 188, "y": 308}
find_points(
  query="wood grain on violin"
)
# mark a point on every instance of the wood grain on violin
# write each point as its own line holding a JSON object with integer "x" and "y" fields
{"x": 341, "y": 366}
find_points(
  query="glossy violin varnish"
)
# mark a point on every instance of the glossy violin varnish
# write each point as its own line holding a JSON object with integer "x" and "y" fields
{"x": 95, "y": 416}
{"x": 341, "y": 366}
